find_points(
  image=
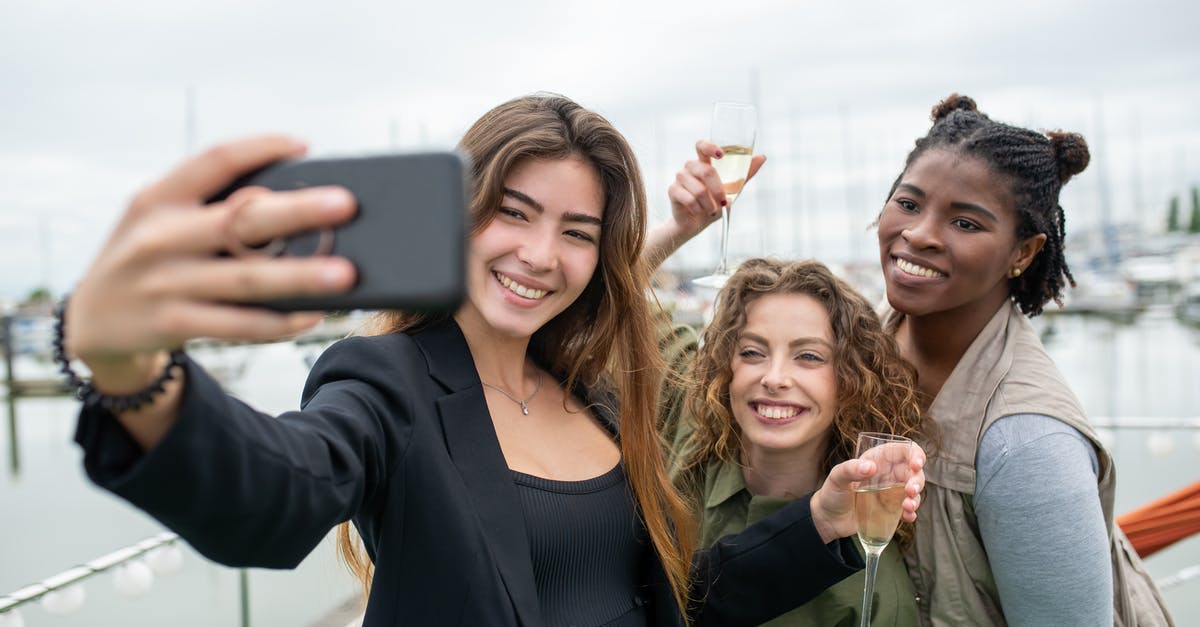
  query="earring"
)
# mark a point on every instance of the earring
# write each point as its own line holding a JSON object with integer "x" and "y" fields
{"x": 1016, "y": 272}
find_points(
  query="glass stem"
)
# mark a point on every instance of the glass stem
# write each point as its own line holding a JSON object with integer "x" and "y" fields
{"x": 869, "y": 588}
{"x": 722, "y": 267}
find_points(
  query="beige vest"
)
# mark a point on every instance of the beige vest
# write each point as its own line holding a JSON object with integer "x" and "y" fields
{"x": 1005, "y": 371}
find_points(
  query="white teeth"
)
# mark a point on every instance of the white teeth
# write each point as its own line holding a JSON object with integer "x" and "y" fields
{"x": 521, "y": 290}
{"x": 776, "y": 412}
{"x": 915, "y": 270}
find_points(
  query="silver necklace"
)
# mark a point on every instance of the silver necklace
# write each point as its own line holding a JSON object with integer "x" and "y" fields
{"x": 523, "y": 403}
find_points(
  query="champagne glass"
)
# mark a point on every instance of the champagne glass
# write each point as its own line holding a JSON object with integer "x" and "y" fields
{"x": 734, "y": 125}
{"x": 878, "y": 500}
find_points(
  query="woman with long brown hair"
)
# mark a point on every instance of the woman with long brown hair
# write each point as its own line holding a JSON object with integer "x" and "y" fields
{"x": 477, "y": 453}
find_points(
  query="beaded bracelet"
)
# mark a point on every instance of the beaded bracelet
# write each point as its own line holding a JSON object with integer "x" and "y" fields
{"x": 90, "y": 396}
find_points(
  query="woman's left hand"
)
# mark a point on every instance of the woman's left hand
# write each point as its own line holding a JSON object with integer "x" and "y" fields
{"x": 832, "y": 506}
{"x": 697, "y": 199}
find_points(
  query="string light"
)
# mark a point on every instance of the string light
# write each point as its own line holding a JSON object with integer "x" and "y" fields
{"x": 132, "y": 579}
{"x": 65, "y": 600}
{"x": 1160, "y": 444}
{"x": 165, "y": 560}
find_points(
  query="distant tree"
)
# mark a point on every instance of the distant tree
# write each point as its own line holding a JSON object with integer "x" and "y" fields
{"x": 1173, "y": 214}
{"x": 39, "y": 295}
{"x": 1194, "y": 224}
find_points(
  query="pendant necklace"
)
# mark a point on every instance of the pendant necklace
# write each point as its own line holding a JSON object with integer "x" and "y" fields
{"x": 523, "y": 403}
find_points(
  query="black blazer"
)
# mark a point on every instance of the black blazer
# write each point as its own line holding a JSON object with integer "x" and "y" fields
{"x": 395, "y": 434}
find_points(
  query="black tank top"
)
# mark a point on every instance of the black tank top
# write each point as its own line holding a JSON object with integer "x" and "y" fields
{"x": 588, "y": 547}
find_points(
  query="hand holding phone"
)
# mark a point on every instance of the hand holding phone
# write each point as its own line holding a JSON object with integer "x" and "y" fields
{"x": 407, "y": 241}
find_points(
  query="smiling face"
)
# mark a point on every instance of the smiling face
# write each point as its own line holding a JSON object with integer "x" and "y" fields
{"x": 784, "y": 389}
{"x": 540, "y": 250}
{"x": 947, "y": 238}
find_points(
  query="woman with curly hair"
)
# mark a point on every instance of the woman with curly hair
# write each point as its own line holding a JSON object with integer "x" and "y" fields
{"x": 793, "y": 366}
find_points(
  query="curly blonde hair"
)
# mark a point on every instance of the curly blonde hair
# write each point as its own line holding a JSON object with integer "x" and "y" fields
{"x": 876, "y": 387}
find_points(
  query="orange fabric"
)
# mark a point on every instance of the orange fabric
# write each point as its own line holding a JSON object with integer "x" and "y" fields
{"x": 1161, "y": 523}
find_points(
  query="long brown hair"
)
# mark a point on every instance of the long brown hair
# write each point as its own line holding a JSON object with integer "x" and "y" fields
{"x": 876, "y": 388}
{"x": 605, "y": 338}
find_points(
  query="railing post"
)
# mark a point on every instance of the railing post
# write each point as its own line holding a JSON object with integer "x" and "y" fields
{"x": 244, "y": 582}
{"x": 10, "y": 383}
{"x": 6, "y": 346}
{"x": 14, "y": 450}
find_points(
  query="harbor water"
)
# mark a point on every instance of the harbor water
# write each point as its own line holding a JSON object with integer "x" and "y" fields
{"x": 1142, "y": 377}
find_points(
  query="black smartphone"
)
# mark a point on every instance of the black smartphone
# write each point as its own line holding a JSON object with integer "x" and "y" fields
{"x": 407, "y": 241}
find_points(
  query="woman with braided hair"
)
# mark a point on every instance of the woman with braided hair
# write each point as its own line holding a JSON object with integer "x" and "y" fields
{"x": 1017, "y": 526}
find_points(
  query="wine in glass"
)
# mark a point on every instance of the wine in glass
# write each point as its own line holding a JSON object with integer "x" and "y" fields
{"x": 878, "y": 500}
{"x": 734, "y": 126}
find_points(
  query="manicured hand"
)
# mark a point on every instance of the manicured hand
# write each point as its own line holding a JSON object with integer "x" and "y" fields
{"x": 697, "y": 195}
{"x": 833, "y": 505}
{"x": 697, "y": 198}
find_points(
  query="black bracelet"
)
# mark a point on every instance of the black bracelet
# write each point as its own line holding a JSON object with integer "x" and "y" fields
{"x": 84, "y": 390}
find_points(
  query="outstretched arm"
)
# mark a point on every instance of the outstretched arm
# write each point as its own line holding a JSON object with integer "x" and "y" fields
{"x": 249, "y": 489}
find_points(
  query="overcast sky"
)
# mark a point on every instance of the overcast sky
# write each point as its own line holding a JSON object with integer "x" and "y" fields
{"x": 95, "y": 97}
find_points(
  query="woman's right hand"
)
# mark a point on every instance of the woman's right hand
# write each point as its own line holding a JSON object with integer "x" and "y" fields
{"x": 159, "y": 281}
{"x": 832, "y": 505}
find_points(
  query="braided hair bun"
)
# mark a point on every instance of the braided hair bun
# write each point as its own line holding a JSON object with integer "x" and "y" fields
{"x": 952, "y": 103}
{"x": 1071, "y": 152}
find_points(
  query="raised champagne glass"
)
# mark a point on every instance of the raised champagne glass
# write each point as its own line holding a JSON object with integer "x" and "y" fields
{"x": 878, "y": 500}
{"x": 734, "y": 126}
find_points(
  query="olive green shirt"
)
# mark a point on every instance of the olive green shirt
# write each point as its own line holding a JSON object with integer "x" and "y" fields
{"x": 724, "y": 506}
{"x": 728, "y": 507}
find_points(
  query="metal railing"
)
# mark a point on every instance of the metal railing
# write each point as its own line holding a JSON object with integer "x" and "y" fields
{"x": 1186, "y": 574}
{"x": 33, "y": 592}
{"x": 1143, "y": 423}
{"x": 79, "y": 573}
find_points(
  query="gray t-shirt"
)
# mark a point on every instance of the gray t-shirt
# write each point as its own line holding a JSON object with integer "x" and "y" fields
{"x": 1041, "y": 523}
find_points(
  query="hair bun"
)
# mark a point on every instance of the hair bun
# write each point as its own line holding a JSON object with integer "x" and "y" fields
{"x": 1071, "y": 152}
{"x": 952, "y": 103}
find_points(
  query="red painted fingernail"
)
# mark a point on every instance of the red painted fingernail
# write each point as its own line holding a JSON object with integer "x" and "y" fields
{"x": 723, "y": 203}
{"x": 720, "y": 154}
